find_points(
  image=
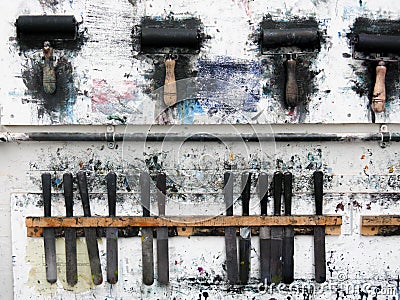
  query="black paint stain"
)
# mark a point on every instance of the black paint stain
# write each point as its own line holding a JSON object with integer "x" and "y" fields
{"x": 366, "y": 74}
{"x": 65, "y": 94}
{"x": 340, "y": 294}
{"x": 182, "y": 71}
{"x": 153, "y": 164}
{"x": 278, "y": 57}
{"x": 339, "y": 206}
{"x": 356, "y": 204}
{"x": 363, "y": 294}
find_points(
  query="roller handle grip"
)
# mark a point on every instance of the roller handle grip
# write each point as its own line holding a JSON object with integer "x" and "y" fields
{"x": 287, "y": 192}
{"x": 68, "y": 195}
{"x": 246, "y": 183}
{"x": 112, "y": 193}
{"x": 46, "y": 188}
{"x": 379, "y": 93}
{"x": 292, "y": 89}
{"x": 83, "y": 190}
{"x": 170, "y": 95}
{"x": 49, "y": 73}
{"x": 318, "y": 191}
{"x": 277, "y": 193}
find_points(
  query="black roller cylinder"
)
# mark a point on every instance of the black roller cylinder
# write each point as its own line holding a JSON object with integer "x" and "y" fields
{"x": 300, "y": 37}
{"x": 377, "y": 43}
{"x": 46, "y": 28}
{"x": 169, "y": 37}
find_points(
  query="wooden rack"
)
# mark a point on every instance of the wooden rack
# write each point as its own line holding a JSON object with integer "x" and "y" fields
{"x": 187, "y": 225}
{"x": 380, "y": 225}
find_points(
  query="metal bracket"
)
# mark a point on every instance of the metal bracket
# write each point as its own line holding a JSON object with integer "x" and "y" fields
{"x": 385, "y": 136}
{"x": 110, "y": 136}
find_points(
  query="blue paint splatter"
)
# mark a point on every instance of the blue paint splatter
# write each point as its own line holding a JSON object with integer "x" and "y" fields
{"x": 187, "y": 109}
{"x": 70, "y": 101}
{"x": 228, "y": 72}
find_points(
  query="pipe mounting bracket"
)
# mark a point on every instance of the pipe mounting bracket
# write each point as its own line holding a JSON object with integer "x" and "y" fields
{"x": 386, "y": 136}
{"x": 110, "y": 136}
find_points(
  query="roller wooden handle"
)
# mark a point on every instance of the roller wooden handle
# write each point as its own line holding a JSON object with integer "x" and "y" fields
{"x": 379, "y": 94}
{"x": 292, "y": 90}
{"x": 170, "y": 96}
{"x": 49, "y": 73}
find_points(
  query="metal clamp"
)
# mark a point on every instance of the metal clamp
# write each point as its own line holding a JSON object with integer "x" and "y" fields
{"x": 386, "y": 136}
{"x": 110, "y": 136}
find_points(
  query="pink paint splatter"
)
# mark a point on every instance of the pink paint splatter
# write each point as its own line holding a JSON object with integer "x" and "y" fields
{"x": 244, "y": 4}
{"x": 105, "y": 98}
{"x": 201, "y": 270}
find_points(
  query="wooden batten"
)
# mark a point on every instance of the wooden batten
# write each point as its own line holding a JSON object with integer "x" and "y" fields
{"x": 385, "y": 225}
{"x": 188, "y": 225}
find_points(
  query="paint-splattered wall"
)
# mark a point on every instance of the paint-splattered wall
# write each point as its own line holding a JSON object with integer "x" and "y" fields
{"x": 106, "y": 78}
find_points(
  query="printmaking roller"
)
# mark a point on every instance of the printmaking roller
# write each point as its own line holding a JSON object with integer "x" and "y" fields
{"x": 48, "y": 233}
{"x": 46, "y": 30}
{"x": 265, "y": 232}
{"x": 70, "y": 233}
{"x": 319, "y": 231}
{"x": 277, "y": 232}
{"x": 289, "y": 41}
{"x": 112, "y": 232}
{"x": 245, "y": 232}
{"x": 230, "y": 232}
{"x": 288, "y": 237}
{"x": 382, "y": 50}
{"x": 90, "y": 233}
{"x": 166, "y": 37}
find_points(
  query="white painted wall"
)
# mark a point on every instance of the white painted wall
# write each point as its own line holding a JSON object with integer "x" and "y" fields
{"x": 107, "y": 67}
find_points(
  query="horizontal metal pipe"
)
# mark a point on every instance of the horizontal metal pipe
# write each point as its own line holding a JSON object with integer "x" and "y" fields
{"x": 196, "y": 137}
